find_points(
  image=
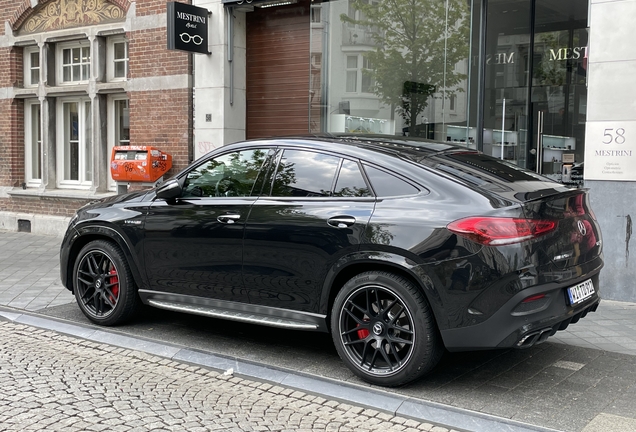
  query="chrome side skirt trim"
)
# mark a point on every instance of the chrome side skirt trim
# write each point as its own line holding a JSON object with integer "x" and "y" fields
{"x": 233, "y": 315}
{"x": 243, "y": 312}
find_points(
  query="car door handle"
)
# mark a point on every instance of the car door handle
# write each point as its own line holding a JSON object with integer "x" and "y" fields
{"x": 228, "y": 218}
{"x": 341, "y": 221}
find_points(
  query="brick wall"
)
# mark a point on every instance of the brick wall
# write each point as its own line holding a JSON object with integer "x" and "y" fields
{"x": 53, "y": 206}
{"x": 152, "y": 7}
{"x": 163, "y": 119}
{"x": 11, "y": 120}
{"x": 11, "y": 74}
{"x": 160, "y": 118}
{"x": 11, "y": 142}
{"x": 150, "y": 57}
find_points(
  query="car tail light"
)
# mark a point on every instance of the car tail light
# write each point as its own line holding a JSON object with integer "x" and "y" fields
{"x": 534, "y": 303}
{"x": 533, "y": 298}
{"x": 496, "y": 231}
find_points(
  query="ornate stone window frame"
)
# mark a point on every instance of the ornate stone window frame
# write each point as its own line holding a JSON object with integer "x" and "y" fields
{"x": 30, "y": 70}
{"x": 83, "y": 66}
{"x": 113, "y": 60}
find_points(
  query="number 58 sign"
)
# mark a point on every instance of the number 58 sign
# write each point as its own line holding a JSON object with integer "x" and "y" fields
{"x": 610, "y": 151}
{"x": 614, "y": 136}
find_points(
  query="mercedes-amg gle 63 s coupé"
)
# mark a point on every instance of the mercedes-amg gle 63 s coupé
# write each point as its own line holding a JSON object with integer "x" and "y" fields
{"x": 399, "y": 248}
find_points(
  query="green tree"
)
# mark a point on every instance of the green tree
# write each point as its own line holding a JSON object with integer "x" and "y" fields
{"x": 418, "y": 44}
{"x": 550, "y": 71}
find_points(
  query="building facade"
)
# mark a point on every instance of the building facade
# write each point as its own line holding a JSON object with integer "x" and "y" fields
{"x": 545, "y": 85}
{"x": 79, "y": 77}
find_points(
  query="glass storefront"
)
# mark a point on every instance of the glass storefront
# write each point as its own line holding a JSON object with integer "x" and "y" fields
{"x": 419, "y": 68}
{"x": 398, "y": 67}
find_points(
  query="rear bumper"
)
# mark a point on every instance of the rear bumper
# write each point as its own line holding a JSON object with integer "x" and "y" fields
{"x": 504, "y": 329}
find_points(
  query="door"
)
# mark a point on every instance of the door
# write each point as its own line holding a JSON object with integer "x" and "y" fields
{"x": 277, "y": 93}
{"x": 559, "y": 97}
{"x": 314, "y": 213}
{"x": 194, "y": 244}
{"x": 535, "y": 92}
{"x": 507, "y": 80}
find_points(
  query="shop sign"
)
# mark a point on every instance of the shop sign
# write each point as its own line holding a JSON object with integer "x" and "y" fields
{"x": 610, "y": 151}
{"x": 568, "y": 53}
{"x": 187, "y": 28}
{"x": 501, "y": 58}
{"x": 553, "y": 55}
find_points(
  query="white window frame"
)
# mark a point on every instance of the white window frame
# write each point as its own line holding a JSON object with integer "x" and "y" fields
{"x": 30, "y": 179}
{"x": 82, "y": 182}
{"x": 349, "y": 71}
{"x": 359, "y": 71}
{"x": 362, "y": 69}
{"x": 113, "y": 132}
{"x": 60, "y": 62}
{"x": 26, "y": 61}
{"x": 316, "y": 13}
{"x": 110, "y": 58}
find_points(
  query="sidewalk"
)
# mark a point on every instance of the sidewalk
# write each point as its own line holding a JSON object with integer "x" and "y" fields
{"x": 582, "y": 380}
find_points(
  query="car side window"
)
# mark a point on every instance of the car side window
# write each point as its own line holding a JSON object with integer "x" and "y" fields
{"x": 387, "y": 185}
{"x": 350, "y": 182}
{"x": 228, "y": 175}
{"x": 302, "y": 173}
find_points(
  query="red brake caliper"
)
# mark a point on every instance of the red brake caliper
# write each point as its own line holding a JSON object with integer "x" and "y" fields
{"x": 362, "y": 333}
{"x": 115, "y": 288}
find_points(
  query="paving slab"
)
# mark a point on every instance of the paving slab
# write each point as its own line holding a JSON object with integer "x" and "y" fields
{"x": 608, "y": 422}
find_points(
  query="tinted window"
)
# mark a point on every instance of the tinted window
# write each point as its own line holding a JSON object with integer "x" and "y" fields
{"x": 499, "y": 169}
{"x": 385, "y": 184}
{"x": 491, "y": 174}
{"x": 350, "y": 181}
{"x": 232, "y": 174}
{"x": 303, "y": 173}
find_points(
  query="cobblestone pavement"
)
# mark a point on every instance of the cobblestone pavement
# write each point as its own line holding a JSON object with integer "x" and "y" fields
{"x": 58, "y": 383}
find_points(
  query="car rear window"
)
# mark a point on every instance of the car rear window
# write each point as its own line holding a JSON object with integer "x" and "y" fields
{"x": 486, "y": 172}
{"x": 500, "y": 169}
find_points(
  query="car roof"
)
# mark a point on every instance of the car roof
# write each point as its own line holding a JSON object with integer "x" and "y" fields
{"x": 474, "y": 169}
{"x": 405, "y": 147}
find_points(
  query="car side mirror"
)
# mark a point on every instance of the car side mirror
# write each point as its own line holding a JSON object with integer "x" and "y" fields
{"x": 169, "y": 190}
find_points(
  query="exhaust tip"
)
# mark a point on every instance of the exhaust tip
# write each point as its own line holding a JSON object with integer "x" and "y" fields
{"x": 535, "y": 338}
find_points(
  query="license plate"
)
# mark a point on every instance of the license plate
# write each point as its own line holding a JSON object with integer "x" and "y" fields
{"x": 581, "y": 292}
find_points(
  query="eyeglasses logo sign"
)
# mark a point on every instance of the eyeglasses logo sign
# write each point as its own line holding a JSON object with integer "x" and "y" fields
{"x": 187, "y": 38}
{"x": 187, "y": 28}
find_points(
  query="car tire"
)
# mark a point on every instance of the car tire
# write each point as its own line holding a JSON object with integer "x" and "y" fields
{"x": 103, "y": 284}
{"x": 384, "y": 330}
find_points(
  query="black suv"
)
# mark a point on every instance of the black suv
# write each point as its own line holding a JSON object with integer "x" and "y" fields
{"x": 398, "y": 247}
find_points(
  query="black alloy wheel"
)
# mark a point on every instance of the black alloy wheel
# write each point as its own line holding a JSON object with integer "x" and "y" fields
{"x": 384, "y": 330}
{"x": 103, "y": 285}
